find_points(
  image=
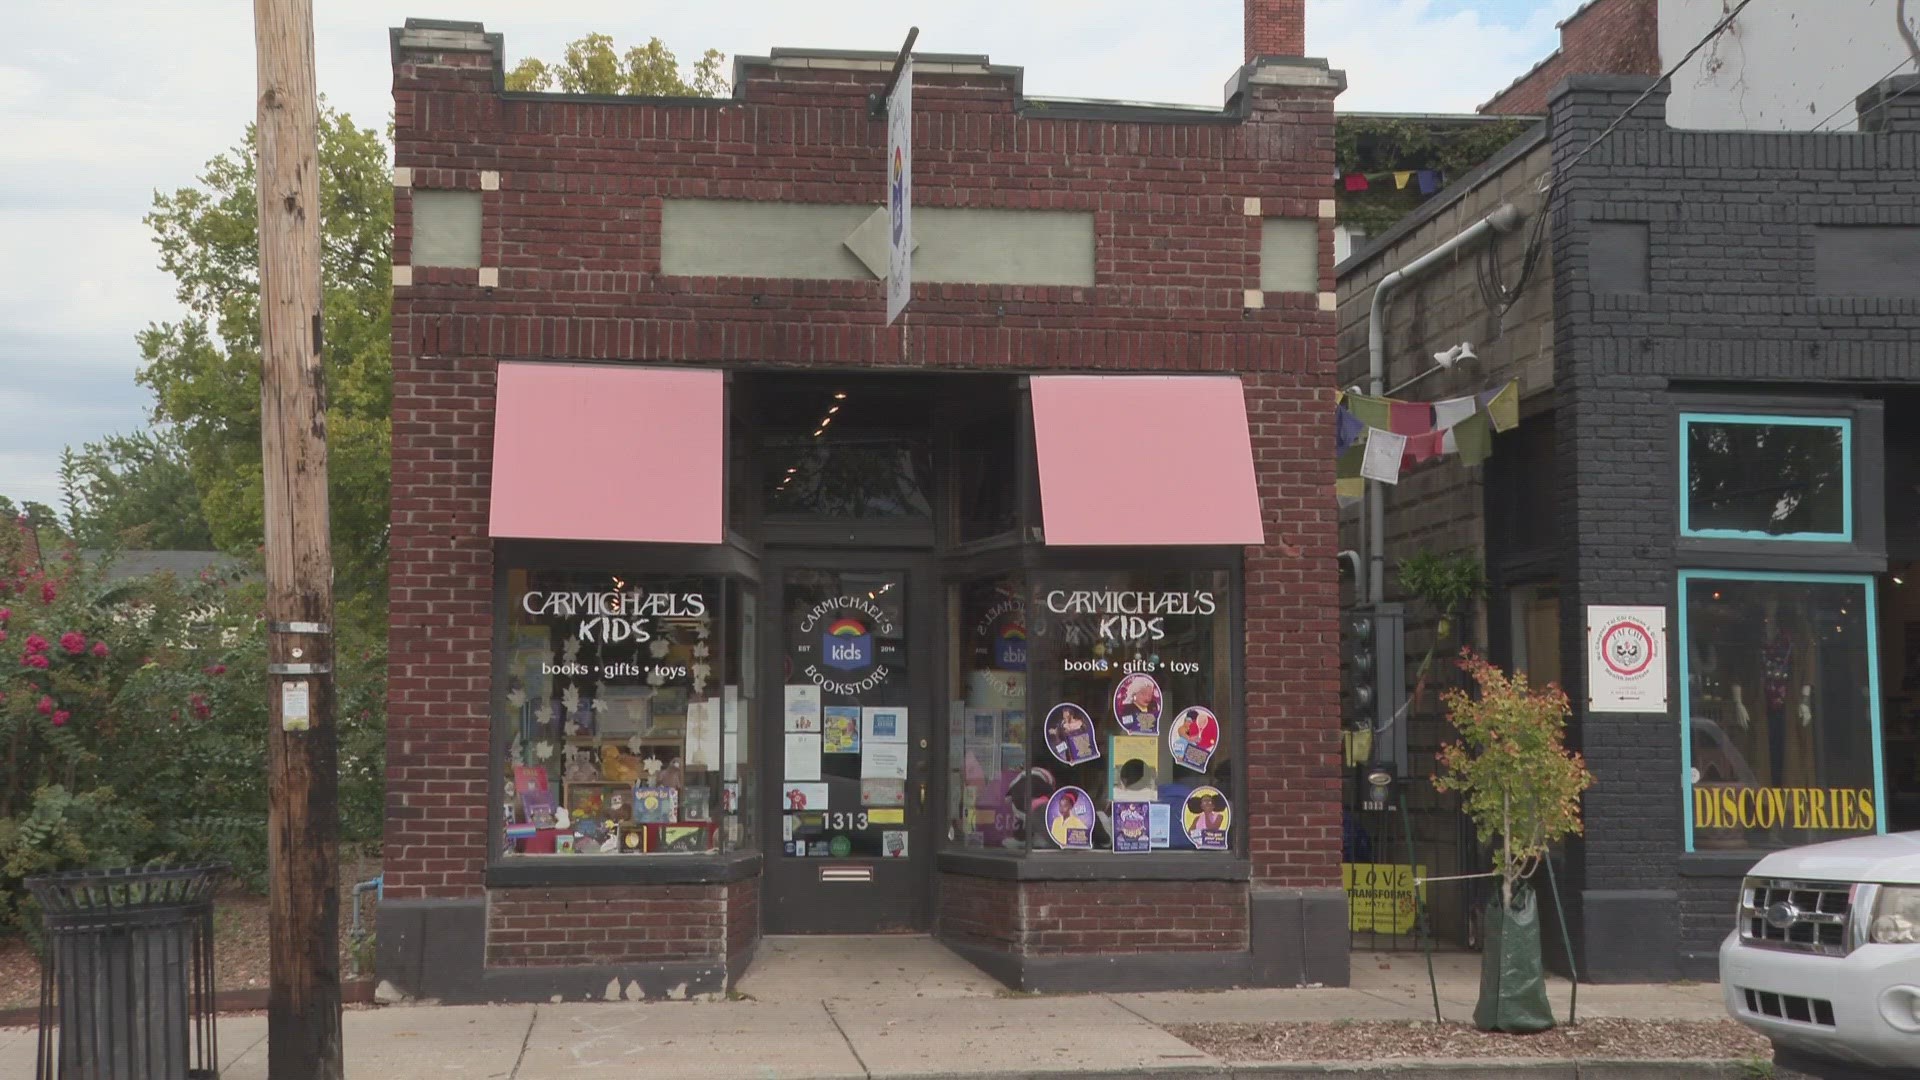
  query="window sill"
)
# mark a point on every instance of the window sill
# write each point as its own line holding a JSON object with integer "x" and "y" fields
{"x": 544, "y": 870}
{"x": 1095, "y": 866}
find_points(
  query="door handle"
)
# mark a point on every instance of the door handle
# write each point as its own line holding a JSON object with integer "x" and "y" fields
{"x": 923, "y": 794}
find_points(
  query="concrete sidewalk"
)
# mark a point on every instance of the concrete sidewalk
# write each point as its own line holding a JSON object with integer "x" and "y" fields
{"x": 900, "y": 1008}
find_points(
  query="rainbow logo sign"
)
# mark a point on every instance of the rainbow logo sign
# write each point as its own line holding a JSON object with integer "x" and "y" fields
{"x": 845, "y": 644}
{"x": 1010, "y": 648}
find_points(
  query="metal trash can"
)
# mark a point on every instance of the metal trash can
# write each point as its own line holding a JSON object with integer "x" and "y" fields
{"x": 126, "y": 988}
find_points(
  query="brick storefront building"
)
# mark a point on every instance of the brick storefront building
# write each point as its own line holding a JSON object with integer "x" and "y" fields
{"x": 720, "y": 606}
{"x": 1713, "y": 356}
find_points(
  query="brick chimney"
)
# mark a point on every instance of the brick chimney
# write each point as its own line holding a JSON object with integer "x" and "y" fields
{"x": 1276, "y": 28}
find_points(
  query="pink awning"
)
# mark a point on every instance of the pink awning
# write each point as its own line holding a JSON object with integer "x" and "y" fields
{"x": 1143, "y": 459}
{"x": 600, "y": 452}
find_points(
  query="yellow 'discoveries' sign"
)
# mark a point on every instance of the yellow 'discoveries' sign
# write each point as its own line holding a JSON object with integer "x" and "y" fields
{"x": 1381, "y": 897}
{"x": 1734, "y": 806}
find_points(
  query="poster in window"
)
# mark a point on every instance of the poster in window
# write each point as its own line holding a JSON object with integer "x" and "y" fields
{"x": 1205, "y": 817}
{"x": 1070, "y": 736}
{"x": 803, "y": 755}
{"x": 884, "y": 724}
{"x": 840, "y": 731}
{"x": 1160, "y": 825}
{"x": 1137, "y": 704}
{"x": 1070, "y": 819}
{"x": 1194, "y": 736}
{"x": 798, "y": 797}
{"x": 883, "y": 761}
{"x": 1133, "y": 769}
{"x": 1132, "y": 826}
{"x": 803, "y": 707}
{"x": 883, "y": 792}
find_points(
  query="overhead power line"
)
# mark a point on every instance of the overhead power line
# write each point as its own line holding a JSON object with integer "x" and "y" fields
{"x": 1718, "y": 29}
{"x": 1889, "y": 99}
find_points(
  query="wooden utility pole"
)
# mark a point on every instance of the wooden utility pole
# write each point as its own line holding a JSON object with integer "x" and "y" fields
{"x": 303, "y": 816}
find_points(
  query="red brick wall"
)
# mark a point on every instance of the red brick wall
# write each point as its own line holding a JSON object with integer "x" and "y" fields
{"x": 978, "y": 911}
{"x": 575, "y": 229}
{"x": 1041, "y": 918}
{"x": 1607, "y": 37}
{"x": 743, "y": 916}
{"x": 1275, "y": 28}
{"x": 1133, "y": 917}
{"x": 578, "y": 925}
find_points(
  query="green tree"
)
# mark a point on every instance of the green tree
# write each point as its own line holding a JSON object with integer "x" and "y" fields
{"x": 591, "y": 66}
{"x": 133, "y": 491}
{"x": 204, "y": 370}
{"x": 45, "y": 519}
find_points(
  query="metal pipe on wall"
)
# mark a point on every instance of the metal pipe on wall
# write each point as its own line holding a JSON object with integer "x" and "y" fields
{"x": 1505, "y": 219}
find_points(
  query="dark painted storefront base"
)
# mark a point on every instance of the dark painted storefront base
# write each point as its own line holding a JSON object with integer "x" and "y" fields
{"x": 437, "y": 949}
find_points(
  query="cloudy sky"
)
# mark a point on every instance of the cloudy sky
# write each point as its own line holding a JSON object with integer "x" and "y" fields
{"x": 104, "y": 101}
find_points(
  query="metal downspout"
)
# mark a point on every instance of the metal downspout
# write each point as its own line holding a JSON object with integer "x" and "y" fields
{"x": 1505, "y": 219}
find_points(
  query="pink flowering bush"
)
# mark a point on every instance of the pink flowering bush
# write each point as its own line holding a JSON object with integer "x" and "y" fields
{"x": 133, "y": 722}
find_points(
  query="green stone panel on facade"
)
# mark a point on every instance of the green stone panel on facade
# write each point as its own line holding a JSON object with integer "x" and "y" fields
{"x": 1290, "y": 255}
{"x": 446, "y": 228}
{"x": 721, "y": 238}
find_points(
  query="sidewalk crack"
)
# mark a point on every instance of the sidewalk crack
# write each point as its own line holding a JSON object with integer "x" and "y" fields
{"x": 525, "y": 1040}
{"x": 851, "y": 1049}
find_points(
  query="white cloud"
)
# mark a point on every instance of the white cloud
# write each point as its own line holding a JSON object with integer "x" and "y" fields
{"x": 82, "y": 275}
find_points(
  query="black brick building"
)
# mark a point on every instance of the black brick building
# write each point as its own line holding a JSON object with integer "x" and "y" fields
{"x": 1720, "y": 422}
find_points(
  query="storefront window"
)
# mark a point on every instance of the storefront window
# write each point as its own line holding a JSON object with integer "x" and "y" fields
{"x": 621, "y": 731}
{"x": 1781, "y": 709}
{"x": 1766, "y": 477}
{"x": 989, "y": 787}
{"x": 1131, "y": 713}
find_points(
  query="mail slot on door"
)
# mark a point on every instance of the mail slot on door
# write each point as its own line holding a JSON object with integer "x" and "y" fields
{"x": 846, "y": 874}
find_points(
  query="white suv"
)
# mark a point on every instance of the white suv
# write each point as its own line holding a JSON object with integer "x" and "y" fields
{"x": 1825, "y": 960}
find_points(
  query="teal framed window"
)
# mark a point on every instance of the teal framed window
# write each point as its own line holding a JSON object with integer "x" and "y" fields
{"x": 1780, "y": 709}
{"x": 1746, "y": 476}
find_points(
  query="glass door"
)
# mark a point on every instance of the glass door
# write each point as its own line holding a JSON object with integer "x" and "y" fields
{"x": 848, "y": 847}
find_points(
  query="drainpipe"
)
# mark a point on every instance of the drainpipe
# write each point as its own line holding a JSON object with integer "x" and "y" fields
{"x": 1506, "y": 219}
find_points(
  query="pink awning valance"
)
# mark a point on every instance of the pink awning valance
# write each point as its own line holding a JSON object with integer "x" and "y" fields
{"x": 1145, "y": 459}
{"x": 602, "y": 452}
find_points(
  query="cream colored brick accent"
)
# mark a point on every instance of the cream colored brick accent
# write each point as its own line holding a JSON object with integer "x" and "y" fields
{"x": 1326, "y": 208}
{"x": 402, "y": 276}
{"x": 1328, "y": 301}
{"x": 489, "y": 180}
{"x": 402, "y": 176}
{"x": 1254, "y": 299}
{"x": 1253, "y": 206}
{"x": 489, "y": 277}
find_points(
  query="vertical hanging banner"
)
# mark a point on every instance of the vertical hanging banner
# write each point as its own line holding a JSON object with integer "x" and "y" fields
{"x": 1626, "y": 659}
{"x": 900, "y": 192}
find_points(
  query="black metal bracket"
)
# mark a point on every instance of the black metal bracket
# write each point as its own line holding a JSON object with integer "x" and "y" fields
{"x": 877, "y": 103}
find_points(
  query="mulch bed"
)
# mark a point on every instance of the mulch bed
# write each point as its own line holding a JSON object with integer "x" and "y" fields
{"x": 1389, "y": 1040}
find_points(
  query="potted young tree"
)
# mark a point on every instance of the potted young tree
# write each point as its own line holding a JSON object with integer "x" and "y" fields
{"x": 1517, "y": 782}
